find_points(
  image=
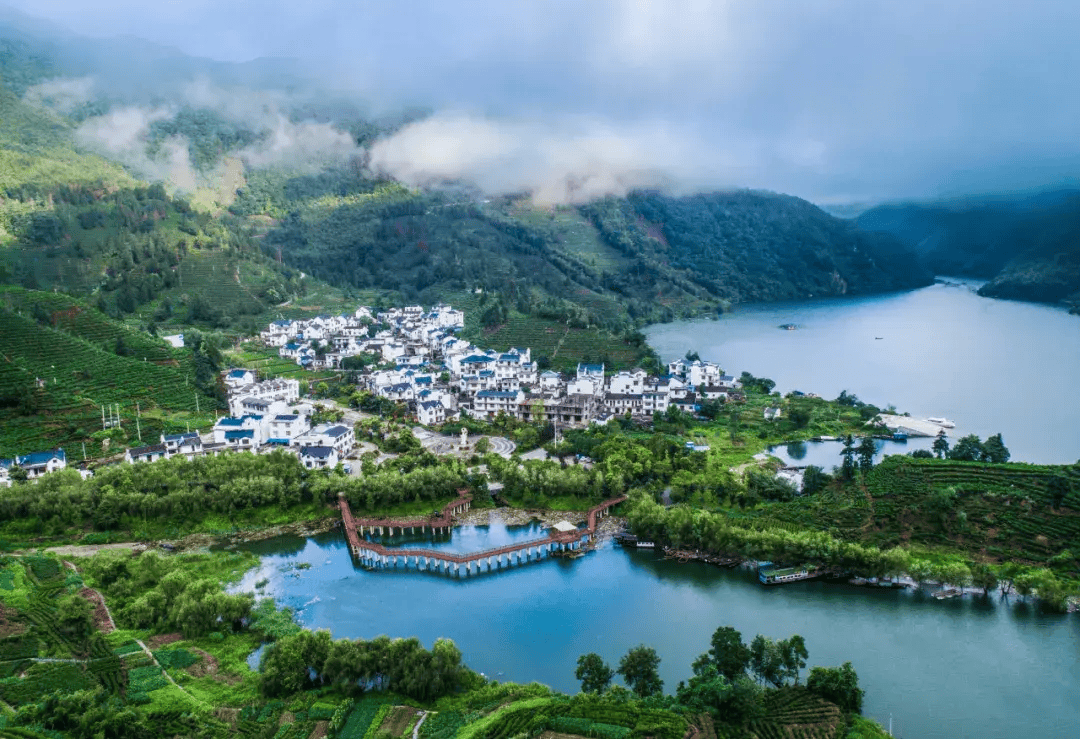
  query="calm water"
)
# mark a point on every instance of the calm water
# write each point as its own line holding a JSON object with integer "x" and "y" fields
{"x": 949, "y": 669}
{"x": 989, "y": 365}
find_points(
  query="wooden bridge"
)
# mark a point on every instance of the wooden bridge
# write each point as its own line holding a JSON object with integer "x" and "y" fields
{"x": 376, "y": 555}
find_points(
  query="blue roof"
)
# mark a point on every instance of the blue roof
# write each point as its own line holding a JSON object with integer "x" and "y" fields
{"x": 281, "y": 442}
{"x": 242, "y": 434}
{"x": 423, "y": 381}
{"x": 230, "y": 422}
{"x": 36, "y": 458}
{"x": 430, "y": 404}
{"x": 594, "y": 368}
{"x": 476, "y": 359}
{"x": 292, "y": 347}
{"x": 238, "y": 373}
{"x": 321, "y": 452}
{"x": 496, "y": 394}
{"x": 182, "y": 437}
{"x": 509, "y": 358}
{"x": 336, "y": 431}
{"x": 286, "y": 417}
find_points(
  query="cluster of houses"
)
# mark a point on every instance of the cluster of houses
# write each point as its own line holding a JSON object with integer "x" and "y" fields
{"x": 439, "y": 375}
{"x": 423, "y": 363}
{"x": 263, "y": 415}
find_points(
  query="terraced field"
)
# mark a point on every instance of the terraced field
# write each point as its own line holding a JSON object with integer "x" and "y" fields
{"x": 54, "y": 384}
{"x": 1002, "y": 510}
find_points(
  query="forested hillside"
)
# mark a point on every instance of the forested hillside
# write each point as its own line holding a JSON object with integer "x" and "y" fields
{"x": 221, "y": 242}
{"x": 1027, "y": 246}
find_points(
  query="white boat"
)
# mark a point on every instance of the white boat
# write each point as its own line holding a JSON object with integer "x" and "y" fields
{"x": 943, "y": 422}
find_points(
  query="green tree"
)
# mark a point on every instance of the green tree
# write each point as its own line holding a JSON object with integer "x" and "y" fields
{"x": 839, "y": 685}
{"x": 848, "y": 466}
{"x": 1057, "y": 488}
{"x": 814, "y": 480}
{"x": 767, "y": 660}
{"x": 941, "y": 445}
{"x": 983, "y": 577}
{"x": 793, "y": 655}
{"x": 994, "y": 450}
{"x": 867, "y": 450}
{"x": 638, "y": 669}
{"x": 968, "y": 449}
{"x": 595, "y": 674}
{"x": 729, "y": 653}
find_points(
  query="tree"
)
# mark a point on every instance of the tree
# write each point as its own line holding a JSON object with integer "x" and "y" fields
{"x": 709, "y": 691}
{"x": 767, "y": 661}
{"x": 968, "y": 449}
{"x": 839, "y": 685}
{"x": 994, "y": 450}
{"x": 867, "y": 450}
{"x": 983, "y": 577}
{"x": 941, "y": 445}
{"x": 848, "y": 466}
{"x": 638, "y": 669}
{"x": 814, "y": 480}
{"x": 729, "y": 653}
{"x": 1057, "y": 488}
{"x": 595, "y": 674}
{"x": 793, "y": 655}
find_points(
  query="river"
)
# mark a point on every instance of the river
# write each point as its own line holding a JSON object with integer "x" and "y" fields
{"x": 969, "y": 667}
{"x": 989, "y": 365}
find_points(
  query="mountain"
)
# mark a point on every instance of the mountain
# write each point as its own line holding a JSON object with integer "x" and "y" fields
{"x": 1026, "y": 245}
{"x": 615, "y": 262}
{"x": 253, "y": 225}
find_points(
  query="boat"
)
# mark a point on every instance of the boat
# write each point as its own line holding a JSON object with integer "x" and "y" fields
{"x": 788, "y": 326}
{"x": 899, "y": 436}
{"x": 947, "y": 593}
{"x": 629, "y": 540}
{"x": 783, "y": 575}
{"x": 943, "y": 422}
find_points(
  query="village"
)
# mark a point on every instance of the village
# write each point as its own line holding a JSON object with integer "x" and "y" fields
{"x": 414, "y": 357}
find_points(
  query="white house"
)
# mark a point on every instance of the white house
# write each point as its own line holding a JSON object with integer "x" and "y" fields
{"x": 189, "y": 444}
{"x": 37, "y": 464}
{"x": 149, "y": 453}
{"x": 319, "y": 457}
{"x": 237, "y": 378}
{"x": 490, "y": 403}
{"x": 430, "y": 412}
{"x": 624, "y": 382}
{"x": 226, "y": 431}
{"x": 284, "y": 427}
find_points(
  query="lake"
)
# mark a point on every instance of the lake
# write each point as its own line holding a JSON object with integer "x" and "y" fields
{"x": 968, "y": 667}
{"x": 989, "y": 365}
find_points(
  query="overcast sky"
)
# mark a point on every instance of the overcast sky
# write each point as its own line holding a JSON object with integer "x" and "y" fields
{"x": 832, "y": 100}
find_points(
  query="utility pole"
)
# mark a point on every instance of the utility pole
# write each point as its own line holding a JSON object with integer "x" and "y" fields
{"x": 197, "y": 403}
{"x": 84, "y": 451}
{"x": 138, "y": 427}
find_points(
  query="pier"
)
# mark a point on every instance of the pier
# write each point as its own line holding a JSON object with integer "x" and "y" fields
{"x": 378, "y": 556}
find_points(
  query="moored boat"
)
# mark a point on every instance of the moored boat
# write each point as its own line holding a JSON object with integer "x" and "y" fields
{"x": 783, "y": 575}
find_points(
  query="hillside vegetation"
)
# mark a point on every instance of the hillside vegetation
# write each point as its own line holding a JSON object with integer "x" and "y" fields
{"x": 1027, "y": 246}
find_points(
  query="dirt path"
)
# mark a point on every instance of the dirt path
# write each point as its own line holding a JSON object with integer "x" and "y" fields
{"x": 169, "y": 677}
{"x": 416, "y": 729}
{"x": 88, "y": 550}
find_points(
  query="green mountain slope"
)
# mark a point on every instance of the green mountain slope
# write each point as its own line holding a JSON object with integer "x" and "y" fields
{"x": 62, "y": 360}
{"x": 1027, "y": 246}
{"x": 611, "y": 263}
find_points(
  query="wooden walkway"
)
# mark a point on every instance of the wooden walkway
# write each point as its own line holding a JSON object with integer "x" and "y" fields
{"x": 376, "y": 555}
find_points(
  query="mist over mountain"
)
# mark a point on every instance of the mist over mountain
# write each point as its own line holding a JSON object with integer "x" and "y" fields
{"x": 1027, "y": 245}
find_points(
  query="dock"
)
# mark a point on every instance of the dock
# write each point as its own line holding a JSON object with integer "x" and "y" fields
{"x": 376, "y": 556}
{"x": 911, "y": 426}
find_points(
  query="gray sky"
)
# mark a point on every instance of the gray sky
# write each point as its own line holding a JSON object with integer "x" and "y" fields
{"x": 832, "y": 100}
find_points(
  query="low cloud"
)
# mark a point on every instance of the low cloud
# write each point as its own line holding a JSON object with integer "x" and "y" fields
{"x": 306, "y": 145}
{"x": 62, "y": 94}
{"x": 579, "y": 159}
{"x": 123, "y": 135}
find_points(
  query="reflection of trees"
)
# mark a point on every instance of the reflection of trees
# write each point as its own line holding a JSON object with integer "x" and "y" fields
{"x": 797, "y": 449}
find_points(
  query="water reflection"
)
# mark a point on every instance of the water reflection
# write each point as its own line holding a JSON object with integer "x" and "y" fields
{"x": 965, "y": 667}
